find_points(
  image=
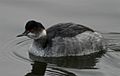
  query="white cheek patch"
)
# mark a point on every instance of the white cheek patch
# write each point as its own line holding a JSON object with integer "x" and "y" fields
{"x": 43, "y": 33}
{"x": 31, "y": 34}
{"x": 38, "y": 35}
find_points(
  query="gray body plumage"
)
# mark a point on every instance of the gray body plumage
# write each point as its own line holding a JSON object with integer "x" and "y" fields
{"x": 68, "y": 39}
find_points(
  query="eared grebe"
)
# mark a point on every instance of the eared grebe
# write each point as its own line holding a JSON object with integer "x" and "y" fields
{"x": 63, "y": 39}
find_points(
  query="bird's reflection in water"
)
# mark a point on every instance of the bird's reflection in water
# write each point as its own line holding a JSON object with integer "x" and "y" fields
{"x": 77, "y": 62}
{"x": 38, "y": 69}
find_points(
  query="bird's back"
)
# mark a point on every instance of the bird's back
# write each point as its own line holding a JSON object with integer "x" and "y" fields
{"x": 66, "y": 30}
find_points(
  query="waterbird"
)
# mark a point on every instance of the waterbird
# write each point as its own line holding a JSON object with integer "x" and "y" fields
{"x": 62, "y": 39}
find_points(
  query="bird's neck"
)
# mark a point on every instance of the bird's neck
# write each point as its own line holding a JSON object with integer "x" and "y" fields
{"x": 41, "y": 42}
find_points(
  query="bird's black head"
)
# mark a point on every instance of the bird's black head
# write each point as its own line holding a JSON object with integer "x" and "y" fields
{"x": 33, "y": 26}
{"x": 33, "y": 30}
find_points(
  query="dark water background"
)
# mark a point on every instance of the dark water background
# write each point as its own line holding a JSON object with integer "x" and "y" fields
{"x": 100, "y": 15}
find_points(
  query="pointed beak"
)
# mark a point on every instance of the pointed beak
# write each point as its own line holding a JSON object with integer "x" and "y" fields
{"x": 23, "y": 34}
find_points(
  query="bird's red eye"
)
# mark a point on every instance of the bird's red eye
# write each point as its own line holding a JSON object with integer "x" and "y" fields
{"x": 29, "y": 30}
